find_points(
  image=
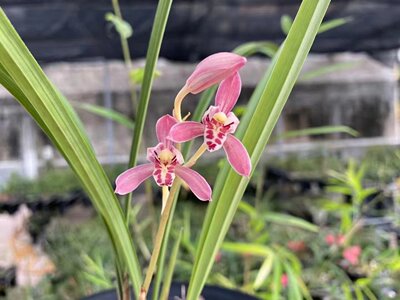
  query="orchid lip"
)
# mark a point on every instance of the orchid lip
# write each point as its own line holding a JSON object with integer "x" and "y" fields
{"x": 220, "y": 117}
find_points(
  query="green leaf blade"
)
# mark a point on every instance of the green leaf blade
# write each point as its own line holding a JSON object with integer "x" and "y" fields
{"x": 57, "y": 118}
{"x": 255, "y": 134}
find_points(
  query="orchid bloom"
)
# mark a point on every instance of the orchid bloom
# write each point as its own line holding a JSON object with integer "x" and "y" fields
{"x": 166, "y": 162}
{"x": 218, "y": 125}
{"x": 211, "y": 70}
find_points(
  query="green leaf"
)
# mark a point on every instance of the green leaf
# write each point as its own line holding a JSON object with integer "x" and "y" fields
{"x": 277, "y": 282}
{"x": 161, "y": 258}
{"x": 247, "y": 209}
{"x": 137, "y": 75}
{"x": 286, "y": 23}
{"x": 25, "y": 80}
{"x": 347, "y": 291}
{"x": 95, "y": 272}
{"x": 171, "y": 267}
{"x": 288, "y": 220}
{"x": 100, "y": 282}
{"x": 254, "y": 131}
{"x": 106, "y": 113}
{"x": 223, "y": 281}
{"x": 153, "y": 51}
{"x": 326, "y": 70}
{"x": 267, "y": 48}
{"x": 293, "y": 286}
{"x": 123, "y": 28}
{"x": 331, "y": 24}
{"x": 264, "y": 272}
{"x": 247, "y": 249}
{"x": 318, "y": 131}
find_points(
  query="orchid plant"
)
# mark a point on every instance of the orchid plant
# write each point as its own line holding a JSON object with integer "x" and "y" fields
{"x": 217, "y": 127}
{"x": 22, "y": 76}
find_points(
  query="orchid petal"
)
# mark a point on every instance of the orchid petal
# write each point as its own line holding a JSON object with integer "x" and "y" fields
{"x": 209, "y": 114}
{"x": 237, "y": 155}
{"x": 153, "y": 151}
{"x": 163, "y": 127}
{"x": 195, "y": 181}
{"x": 186, "y": 131}
{"x": 178, "y": 155}
{"x": 212, "y": 70}
{"x": 228, "y": 93}
{"x": 129, "y": 180}
{"x": 233, "y": 121}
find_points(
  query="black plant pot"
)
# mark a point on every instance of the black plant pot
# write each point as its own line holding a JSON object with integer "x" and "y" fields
{"x": 209, "y": 293}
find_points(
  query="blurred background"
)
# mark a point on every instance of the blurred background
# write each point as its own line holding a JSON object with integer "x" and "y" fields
{"x": 326, "y": 194}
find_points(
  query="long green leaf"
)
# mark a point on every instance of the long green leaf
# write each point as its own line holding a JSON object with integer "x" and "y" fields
{"x": 289, "y": 220}
{"x": 171, "y": 267}
{"x": 331, "y": 24}
{"x": 153, "y": 51}
{"x": 286, "y": 23}
{"x": 161, "y": 259}
{"x": 264, "y": 272}
{"x": 230, "y": 187}
{"x": 24, "y": 78}
{"x": 106, "y": 113}
{"x": 247, "y": 248}
{"x": 331, "y": 68}
{"x": 318, "y": 131}
{"x": 267, "y": 48}
{"x": 277, "y": 280}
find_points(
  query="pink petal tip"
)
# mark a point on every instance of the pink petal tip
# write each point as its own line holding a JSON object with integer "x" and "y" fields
{"x": 198, "y": 185}
{"x": 213, "y": 69}
{"x": 237, "y": 156}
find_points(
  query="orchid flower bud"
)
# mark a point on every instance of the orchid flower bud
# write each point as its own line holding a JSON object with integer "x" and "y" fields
{"x": 214, "y": 69}
{"x": 211, "y": 70}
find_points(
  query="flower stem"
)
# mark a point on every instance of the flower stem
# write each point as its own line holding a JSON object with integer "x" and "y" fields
{"x": 165, "y": 195}
{"x": 159, "y": 236}
{"x": 178, "y": 102}
{"x": 168, "y": 201}
{"x": 196, "y": 155}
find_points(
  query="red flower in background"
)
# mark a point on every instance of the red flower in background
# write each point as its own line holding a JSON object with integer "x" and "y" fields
{"x": 352, "y": 254}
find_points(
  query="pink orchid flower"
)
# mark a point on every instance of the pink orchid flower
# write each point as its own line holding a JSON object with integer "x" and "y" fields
{"x": 165, "y": 163}
{"x": 352, "y": 254}
{"x": 218, "y": 125}
{"x": 212, "y": 70}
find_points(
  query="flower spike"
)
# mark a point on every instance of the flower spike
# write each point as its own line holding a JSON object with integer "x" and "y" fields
{"x": 166, "y": 162}
{"x": 218, "y": 125}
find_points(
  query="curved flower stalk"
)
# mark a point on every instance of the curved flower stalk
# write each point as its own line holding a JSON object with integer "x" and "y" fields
{"x": 218, "y": 125}
{"x": 212, "y": 70}
{"x": 166, "y": 162}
